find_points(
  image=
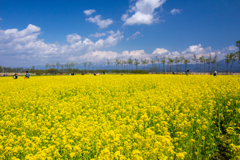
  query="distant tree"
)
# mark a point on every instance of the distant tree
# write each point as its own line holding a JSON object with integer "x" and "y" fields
{"x": 144, "y": 62}
{"x": 33, "y": 68}
{"x": 117, "y": 61}
{"x": 4, "y": 70}
{"x": 168, "y": 68}
{"x": 130, "y": 62}
{"x": 170, "y": 61}
{"x": 233, "y": 57}
{"x": 85, "y": 65}
{"x": 214, "y": 60}
{"x": 53, "y": 65}
{"x": 163, "y": 62}
{"x": 208, "y": 61}
{"x": 47, "y": 65}
{"x": 89, "y": 65}
{"x": 195, "y": 59}
{"x": 238, "y": 55}
{"x": 66, "y": 67}
{"x": 136, "y": 63}
{"x": 227, "y": 59}
{"x": 176, "y": 60}
{"x": 73, "y": 64}
{"x": 62, "y": 66}
{"x": 202, "y": 60}
{"x": 124, "y": 63}
{"x": 0, "y": 68}
{"x": 186, "y": 61}
{"x": 152, "y": 61}
{"x": 238, "y": 45}
{"x": 108, "y": 62}
{"x": 181, "y": 60}
{"x": 58, "y": 65}
{"x": 158, "y": 60}
{"x": 77, "y": 65}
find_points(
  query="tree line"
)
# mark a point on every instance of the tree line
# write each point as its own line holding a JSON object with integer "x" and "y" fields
{"x": 126, "y": 66}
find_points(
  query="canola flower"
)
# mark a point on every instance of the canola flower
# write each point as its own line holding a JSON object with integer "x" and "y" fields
{"x": 117, "y": 117}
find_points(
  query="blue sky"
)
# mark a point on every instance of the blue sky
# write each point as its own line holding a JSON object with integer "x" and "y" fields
{"x": 39, "y": 31}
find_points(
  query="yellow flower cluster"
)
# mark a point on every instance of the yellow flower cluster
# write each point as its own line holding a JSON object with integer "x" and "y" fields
{"x": 118, "y": 117}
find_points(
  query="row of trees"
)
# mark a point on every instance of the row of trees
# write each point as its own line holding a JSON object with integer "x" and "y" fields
{"x": 127, "y": 65}
{"x": 229, "y": 58}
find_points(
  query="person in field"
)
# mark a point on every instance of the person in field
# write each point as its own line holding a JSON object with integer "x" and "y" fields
{"x": 215, "y": 73}
{"x": 15, "y": 76}
{"x": 27, "y": 74}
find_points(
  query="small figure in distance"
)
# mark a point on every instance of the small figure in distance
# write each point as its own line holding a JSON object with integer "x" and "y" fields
{"x": 94, "y": 74}
{"x": 187, "y": 72}
{"x": 72, "y": 73}
{"x": 27, "y": 75}
{"x": 83, "y": 73}
{"x": 15, "y": 76}
{"x": 233, "y": 74}
{"x": 103, "y": 72}
{"x": 60, "y": 74}
{"x": 173, "y": 73}
{"x": 215, "y": 73}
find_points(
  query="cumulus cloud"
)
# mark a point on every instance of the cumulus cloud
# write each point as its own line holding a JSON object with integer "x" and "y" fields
{"x": 98, "y": 35}
{"x": 134, "y": 36}
{"x": 101, "y": 23}
{"x": 175, "y": 11}
{"x": 20, "y": 46}
{"x": 23, "y": 48}
{"x": 232, "y": 48}
{"x": 161, "y": 52}
{"x": 1, "y": 19}
{"x": 73, "y": 38}
{"x": 101, "y": 57}
{"x": 89, "y": 12}
{"x": 142, "y": 12}
{"x": 200, "y": 51}
{"x": 196, "y": 49}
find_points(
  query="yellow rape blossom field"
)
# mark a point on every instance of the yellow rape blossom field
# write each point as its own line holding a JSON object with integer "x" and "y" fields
{"x": 114, "y": 117}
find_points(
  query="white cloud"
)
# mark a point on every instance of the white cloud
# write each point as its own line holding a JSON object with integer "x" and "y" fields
{"x": 175, "y": 11}
{"x": 23, "y": 48}
{"x": 161, "y": 52}
{"x": 196, "y": 49}
{"x": 134, "y": 36}
{"x": 73, "y": 38}
{"x": 200, "y": 51}
{"x": 17, "y": 47}
{"x": 89, "y": 12}
{"x": 142, "y": 12}
{"x": 101, "y": 23}
{"x": 102, "y": 56}
{"x": 98, "y": 35}
{"x": 1, "y": 19}
{"x": 232, "y": 48}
